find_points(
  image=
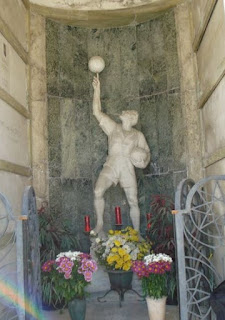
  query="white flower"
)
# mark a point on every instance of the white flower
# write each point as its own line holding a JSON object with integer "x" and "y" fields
{"x": 72, "y": 255}
{"x": 127, "y": 248}
{"x": 156, "y": 258}
{"x": 92, "y": 233}
{"x": 97, "y": 240}
{"x": 133, "y": 255}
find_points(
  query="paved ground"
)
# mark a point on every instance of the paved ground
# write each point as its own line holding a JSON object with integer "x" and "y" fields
{"x": 132, "y": 308}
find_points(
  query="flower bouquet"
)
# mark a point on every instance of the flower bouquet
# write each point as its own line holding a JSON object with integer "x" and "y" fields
{"x": 153, "y": 274}
{"x": 120, "y": 249}
{"x": 68, "y": 275}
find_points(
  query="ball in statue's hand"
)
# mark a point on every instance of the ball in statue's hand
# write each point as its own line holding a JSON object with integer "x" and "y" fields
{"x": 138, "y": 157}
{"x": 96, "y": 64}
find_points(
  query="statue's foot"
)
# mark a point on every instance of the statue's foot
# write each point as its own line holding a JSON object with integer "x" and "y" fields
{"x": 97, "y": 229}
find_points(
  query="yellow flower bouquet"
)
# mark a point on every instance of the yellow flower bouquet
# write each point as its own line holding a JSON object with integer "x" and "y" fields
{"x": 120, "y": 248}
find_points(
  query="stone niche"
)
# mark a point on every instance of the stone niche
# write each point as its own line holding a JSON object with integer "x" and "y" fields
{"x": 141, "y": 73}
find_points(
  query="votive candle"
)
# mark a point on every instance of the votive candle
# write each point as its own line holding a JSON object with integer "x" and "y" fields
{"x": 118, "y": 216}
{"x": 87, "y": 227}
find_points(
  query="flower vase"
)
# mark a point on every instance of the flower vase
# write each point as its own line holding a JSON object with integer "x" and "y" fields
{"x": 156, "y": 308}
{"x": 77, "y": 309}
{"x": 120, "y": 280}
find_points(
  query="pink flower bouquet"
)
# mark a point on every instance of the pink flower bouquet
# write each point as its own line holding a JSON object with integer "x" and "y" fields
{"x": 69, "y": 274}
{"x": 152, "y": 272}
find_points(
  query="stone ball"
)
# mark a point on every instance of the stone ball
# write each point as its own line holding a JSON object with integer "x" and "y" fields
{"x": 138, "y": 157}
{"x": 96, "y": 64}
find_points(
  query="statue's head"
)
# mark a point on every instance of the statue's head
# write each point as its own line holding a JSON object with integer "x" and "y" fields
{"x": 131, "y": 116}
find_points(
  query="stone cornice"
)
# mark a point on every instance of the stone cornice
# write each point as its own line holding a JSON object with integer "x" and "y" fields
{"x": 105, "y": 18}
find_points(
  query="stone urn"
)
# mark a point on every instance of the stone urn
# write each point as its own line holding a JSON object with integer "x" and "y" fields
{"x": 156, "y": 308}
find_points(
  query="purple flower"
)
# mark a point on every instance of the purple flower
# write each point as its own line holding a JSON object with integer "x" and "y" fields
{"x": 95, "y": 267}
{"x": 67, "y": 275}
{"x": 88, "y": 276}
{"x": 80, "y": 271}
{"x": 84, "y": 256}
{"x": 47, "y": 266}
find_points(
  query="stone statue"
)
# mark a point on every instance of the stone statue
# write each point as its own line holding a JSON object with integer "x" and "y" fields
{"x": 127, "y": 148}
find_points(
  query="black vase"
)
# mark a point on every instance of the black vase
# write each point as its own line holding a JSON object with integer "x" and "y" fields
{"x": 120, "y": 280}
{"x": 77, "y": 309}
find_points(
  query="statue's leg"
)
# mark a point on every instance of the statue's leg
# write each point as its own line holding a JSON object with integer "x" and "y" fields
{"x": 131, "y": 194}
{"x": 103, "y": 183}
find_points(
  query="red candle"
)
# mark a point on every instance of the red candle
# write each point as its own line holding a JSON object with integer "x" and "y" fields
{"x": 87, "y": 227}
{"x": 118, "y": 216}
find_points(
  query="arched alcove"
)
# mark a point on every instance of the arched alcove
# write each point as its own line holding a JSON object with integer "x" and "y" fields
{"x": 141, "y": 73}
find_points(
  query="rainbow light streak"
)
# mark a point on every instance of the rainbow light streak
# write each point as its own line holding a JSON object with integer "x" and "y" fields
{"x": 12, "y": 295}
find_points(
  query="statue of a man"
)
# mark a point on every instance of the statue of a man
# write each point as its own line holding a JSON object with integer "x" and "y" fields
{"x": 127, "y": 148}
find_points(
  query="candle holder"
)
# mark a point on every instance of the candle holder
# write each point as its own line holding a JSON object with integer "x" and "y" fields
{"x": 86, "y": 242}
{"x": 87, "y": 233}
{"x": 118, "y": 226}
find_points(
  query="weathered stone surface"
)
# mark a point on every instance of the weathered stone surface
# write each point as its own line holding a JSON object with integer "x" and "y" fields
{"x": 216, "y": 168}
{"x": 165, "y": 132}
{"x": 14, "y": 130}
{"x": 14, "y": 14}
{"x": 103, "y": 14}
{"x": 178, "y": 138}
{"x": 188, "y": 83}
{"x": 54, "y": 137}
{"x": 213, "y": 116}
{"x": 80, "y": 63}
{"x": 200, "y": 12}
{"x": 40, "y": 150}
{"x": 66, "y": 58}
{"x": 77, "y": 202}
{"x": 148, "y": 119}
{"x": 38, "y": 100}
{"x": 76, "y": 143}
{"x": 211, "y": 53}
{"x": 52, "y": 56}
{"x": 158, "y": 63}
{"x": 105, "y": 4}
{"x": 13, "y": 73}
{"x": 145, "y": 59}
{"x": 170, "y": 47}
{"x": 55, "y": 196}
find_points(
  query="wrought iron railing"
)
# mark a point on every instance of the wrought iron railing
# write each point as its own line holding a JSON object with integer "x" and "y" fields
{"x": 19, "y": 260}
{"x": 199, "y": 228}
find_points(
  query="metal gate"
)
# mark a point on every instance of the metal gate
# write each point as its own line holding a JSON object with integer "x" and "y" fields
{"x": 199, "y": 229}
{"x": 20, "y": 291}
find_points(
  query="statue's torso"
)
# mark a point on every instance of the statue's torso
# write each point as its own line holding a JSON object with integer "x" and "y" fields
{"x": 121, "y": 142}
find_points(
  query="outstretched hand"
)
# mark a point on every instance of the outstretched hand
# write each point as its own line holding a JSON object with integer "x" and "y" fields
{"x": 96, "y": 83}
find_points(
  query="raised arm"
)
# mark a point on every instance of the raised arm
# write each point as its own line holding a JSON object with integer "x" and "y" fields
{"x": 97, "y": 110}
{"x": 105, "y": 122}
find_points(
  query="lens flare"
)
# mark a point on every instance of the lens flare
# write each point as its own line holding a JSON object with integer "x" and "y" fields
{"x": 12, "y": 295}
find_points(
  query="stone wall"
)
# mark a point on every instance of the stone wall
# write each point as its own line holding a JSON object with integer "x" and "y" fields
{"x": 141, "y": 73}
{"x": 202, "y": 59}
{"x": 15, "y": 160}
{"x": 209, "y": 50}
